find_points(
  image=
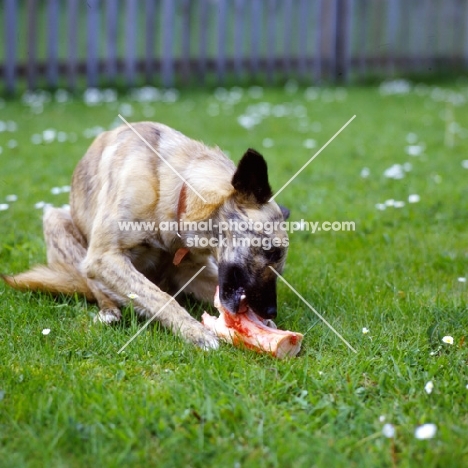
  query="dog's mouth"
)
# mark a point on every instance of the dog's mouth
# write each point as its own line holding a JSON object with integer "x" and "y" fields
{"x": 233, "y": 301}
{"x": 243, "y": 304}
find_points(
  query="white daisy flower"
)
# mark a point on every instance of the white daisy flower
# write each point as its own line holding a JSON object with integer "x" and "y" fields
{"x": 462, "y": 279}
{"x": 399, "y": 204}
{"x": 39, "y": 205}
{"x": 55, "y": 190}
{"x": 11, "y": 198}
{"x": 426, "y": 431}
{"x": 414, "y": 198}
{"x": 365, "y": 330}
{"x": 382, "y": 418}
{"x": 4, "y": 206}
{"x": 388, "y": 430}
{"x": 365, "y": 172}
{"x": 49, "y": 135}
{"x": 132, "y": 296}
{"x": 448, "y": 339}
{"x": 46, "y": 331}
{"x": 429, "y": 387}
{"x": 394, "y": 172}
{"x": 414, "y": 150}
{"x": 310, "y": 143}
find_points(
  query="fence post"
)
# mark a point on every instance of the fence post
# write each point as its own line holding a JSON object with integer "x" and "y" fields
{"x": 72, "y": 21}
{"x": 32, "y": 41}
{"x": 10, "y": 44}
{"x": 168, "y": 17}
{"x": 52, "y": 42}
{"x": 303, "y": 11}
{"x": 92, "y": 68}
{"x": 150, "y": 43}
{"x": 239, "y": 36}
{"x": 343, "y": 39}
{"x": 318, "y": 42}
{"x": 130, "y": 41}
{"x": 329, "y": 38}
{"x": 112, "y": 20}
{"x": 203, "y": 40}
{"x": 186, "y": 35}
{"x": 393, "y": 13}
{"x": 271, "y": 39}
{"x": 465, "y": 42}
{"x": 288, "y": 32}
{"x": 221, "y": 39}
{"x": 256, "y": 33}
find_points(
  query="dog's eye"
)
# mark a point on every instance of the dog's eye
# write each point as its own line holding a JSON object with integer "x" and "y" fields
{"x": 273, "y": 254}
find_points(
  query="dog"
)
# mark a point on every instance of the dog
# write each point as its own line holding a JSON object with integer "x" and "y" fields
{"x": 151, "y": 172}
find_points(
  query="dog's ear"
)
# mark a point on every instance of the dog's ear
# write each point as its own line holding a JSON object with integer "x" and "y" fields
{"x": 284, "y": 211}
{"x": 251, "y": 177}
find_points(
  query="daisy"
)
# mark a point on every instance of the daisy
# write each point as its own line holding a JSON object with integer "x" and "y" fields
{"x": 365, "y": 172}
{"x": 426, "y": 431}
{"x": 132, "y": 296}
{"x": 448, "y": 339}
{"x": 310, "y": 143}
{"x": 429, "y": 387}
{"x": 388, "y": 430}
{"x": 46, "y": 331}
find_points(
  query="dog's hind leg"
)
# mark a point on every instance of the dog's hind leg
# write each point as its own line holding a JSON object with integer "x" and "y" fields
{"x": 66, "y": 250}
{"x": 66, "y": 245}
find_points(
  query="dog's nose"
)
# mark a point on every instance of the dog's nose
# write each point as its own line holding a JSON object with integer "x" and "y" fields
{"x": 270, "y": 313}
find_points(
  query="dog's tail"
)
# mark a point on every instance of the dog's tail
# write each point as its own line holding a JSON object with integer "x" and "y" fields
{"x": 55, "y": 278}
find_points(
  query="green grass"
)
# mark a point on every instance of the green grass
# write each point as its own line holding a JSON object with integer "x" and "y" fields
{"x": 69, "y": 400}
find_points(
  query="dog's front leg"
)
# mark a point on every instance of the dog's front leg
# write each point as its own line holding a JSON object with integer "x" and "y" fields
{"x": 116, "y": 272}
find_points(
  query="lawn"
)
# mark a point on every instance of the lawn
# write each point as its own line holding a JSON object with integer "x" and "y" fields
{"x": 69, "y": 400}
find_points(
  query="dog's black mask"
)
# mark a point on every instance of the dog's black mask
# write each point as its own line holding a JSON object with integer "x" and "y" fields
{"x": 259, "y": 291}
{"x": 245, "y": 270}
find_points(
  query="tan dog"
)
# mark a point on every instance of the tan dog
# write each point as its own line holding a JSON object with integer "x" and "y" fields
{"x": 166, "y": 178}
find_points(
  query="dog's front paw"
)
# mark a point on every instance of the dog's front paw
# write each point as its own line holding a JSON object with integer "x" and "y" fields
{"x": 108, "y": 316}
{"x": 202, "y": 338}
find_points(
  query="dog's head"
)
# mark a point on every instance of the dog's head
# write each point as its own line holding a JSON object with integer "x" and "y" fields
{"x": 255, "y": 239}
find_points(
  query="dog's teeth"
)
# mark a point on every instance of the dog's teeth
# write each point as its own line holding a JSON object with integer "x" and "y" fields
{"x": 243, "y": 297}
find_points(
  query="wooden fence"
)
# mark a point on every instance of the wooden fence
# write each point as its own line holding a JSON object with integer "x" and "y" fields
{"x": 76, "y": 43}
